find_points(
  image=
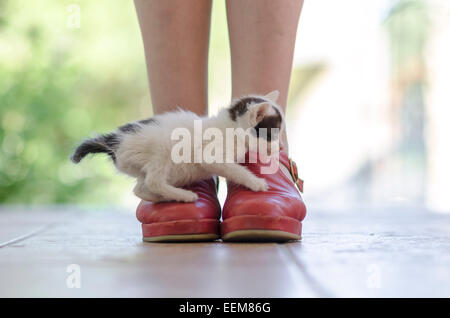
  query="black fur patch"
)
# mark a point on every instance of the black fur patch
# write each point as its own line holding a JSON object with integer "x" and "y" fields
{"x": 268, "y": 122}
{"x": 132, "y": 128}
{"x": 108, "y": 143}
{"x": 105, "y": 143}
{"x": 112, "y": 140}
{"x": 148, "y": 121}
{"x": 241, "y": 106}
{"x": 129, "y": 128}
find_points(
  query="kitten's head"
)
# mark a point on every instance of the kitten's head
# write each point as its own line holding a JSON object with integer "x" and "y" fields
{"x": 263, "y": 115}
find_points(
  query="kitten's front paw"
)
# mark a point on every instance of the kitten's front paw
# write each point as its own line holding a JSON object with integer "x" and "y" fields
{"x": 190, "y": 197}
{"x": 258, "y": 184}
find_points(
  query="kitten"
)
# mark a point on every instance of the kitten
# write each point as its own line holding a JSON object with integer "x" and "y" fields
{"x": 144, "y": 149}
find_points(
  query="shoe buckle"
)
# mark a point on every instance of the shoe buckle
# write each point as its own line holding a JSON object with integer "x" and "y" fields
{"x": 294, "y": 173}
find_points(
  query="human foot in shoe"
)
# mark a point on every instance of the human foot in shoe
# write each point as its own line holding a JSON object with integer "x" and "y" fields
{"x": 273, "y": 215}
{"x": 182, "y": 222}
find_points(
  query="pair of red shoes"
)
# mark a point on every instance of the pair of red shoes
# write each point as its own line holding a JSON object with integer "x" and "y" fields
{"x": 274, "y": 215}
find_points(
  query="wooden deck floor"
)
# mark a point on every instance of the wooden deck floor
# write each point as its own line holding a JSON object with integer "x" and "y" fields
{"x": 364, "y": 254}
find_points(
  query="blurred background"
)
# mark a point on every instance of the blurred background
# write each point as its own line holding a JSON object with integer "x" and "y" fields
{"x": 368, "y": 110}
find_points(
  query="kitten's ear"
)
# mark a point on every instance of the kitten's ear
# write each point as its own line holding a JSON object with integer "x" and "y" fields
{"x": 258, "y": 111}
{"x": 273, "y": 96}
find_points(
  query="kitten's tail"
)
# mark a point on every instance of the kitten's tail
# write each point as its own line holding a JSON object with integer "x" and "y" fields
{"x": 104, "y": 143}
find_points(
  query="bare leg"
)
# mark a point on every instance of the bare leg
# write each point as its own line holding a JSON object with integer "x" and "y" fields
{"x": 176, "y": 38}
{"x": 262, "y": 40}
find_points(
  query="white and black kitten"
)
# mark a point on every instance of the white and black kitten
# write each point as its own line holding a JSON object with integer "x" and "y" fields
{"x": 145, "y": 149}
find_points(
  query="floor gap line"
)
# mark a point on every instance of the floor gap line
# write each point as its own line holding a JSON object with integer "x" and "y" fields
{"x": 314, "y": 284}
{"x": 25, "y": 236}
{"x": 292, "y": 267}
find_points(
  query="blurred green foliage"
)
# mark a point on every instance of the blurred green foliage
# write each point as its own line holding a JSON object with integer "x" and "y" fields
{"x": 59, "y": 84}
{"x": 408, "y": 25}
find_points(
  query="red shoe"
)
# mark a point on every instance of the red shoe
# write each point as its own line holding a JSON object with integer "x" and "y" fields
{"x": 175, "y": 222}
{"x": 274, "y": 215}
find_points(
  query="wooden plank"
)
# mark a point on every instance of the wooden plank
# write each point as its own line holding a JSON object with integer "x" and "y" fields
{"x": 385, "y": 254}
{"x": 115, "y": 262}
{"x": 19, "y": 223}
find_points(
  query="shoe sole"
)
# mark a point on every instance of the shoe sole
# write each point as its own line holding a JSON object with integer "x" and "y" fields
{"x": 260, "y": 236}
{"x": 182, "y": 238}
{"x": 260, "y": 228}
{"x": 181, "y": 231}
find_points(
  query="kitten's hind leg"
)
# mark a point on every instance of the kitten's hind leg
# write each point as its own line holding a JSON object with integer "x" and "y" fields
{"x": 178, "y": 194}
{"x": 171, "y": 193}
{"x": 159, "y": 186}
{"x": 142, "y": 192}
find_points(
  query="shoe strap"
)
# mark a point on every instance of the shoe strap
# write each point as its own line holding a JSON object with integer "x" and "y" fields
{"x": 293, "y": 171}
